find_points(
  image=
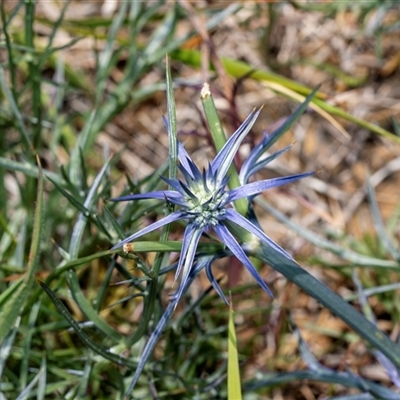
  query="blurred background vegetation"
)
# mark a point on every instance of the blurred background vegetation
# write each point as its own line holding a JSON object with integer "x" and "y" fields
{"x": 81, "y": 82}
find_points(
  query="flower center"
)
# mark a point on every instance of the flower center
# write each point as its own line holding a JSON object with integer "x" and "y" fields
{"x": 207, "y": 205}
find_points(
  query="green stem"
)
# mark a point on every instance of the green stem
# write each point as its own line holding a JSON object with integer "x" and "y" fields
{"x": 219, "y": 140}
{"x": 172, "y": 129}
{"x": 161, "y": 259}
{"x": 34, "y": 73}
{"x": 139, "y": 247}
{"x": 11, "y": 64}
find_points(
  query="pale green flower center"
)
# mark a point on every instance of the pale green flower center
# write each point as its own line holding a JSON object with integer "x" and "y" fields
{"x": 208, "y": 206}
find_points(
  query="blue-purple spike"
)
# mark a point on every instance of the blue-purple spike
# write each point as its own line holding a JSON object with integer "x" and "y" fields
{"x": 214, "y": 284}
{"x": 186, "y": 171}
{"x": 172, "y": 182}
{"x": 255, "y": 188}
{"x": 195, "y": 171}
{"x": 227, "y": 237}
{"x": 187, "y": 190}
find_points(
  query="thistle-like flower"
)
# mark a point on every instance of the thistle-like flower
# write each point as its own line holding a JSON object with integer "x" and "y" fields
{"x": 206, "y": 202}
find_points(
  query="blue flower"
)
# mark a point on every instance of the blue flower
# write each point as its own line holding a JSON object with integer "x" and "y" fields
{"x": 206, "y": 202}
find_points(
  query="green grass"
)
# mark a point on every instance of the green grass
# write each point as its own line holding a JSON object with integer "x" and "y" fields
{"x": 75, "y": 316}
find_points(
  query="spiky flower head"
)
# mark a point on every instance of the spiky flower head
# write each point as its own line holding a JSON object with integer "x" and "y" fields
{"x": 205, "y": 202}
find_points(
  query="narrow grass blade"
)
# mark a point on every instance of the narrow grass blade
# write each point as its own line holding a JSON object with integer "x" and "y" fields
{"x": 391, "y": 371}
{"x": 11, "y": 65}
{"x": 84, "y": 382}
{"x": 76, "y": 203}
{"x": 396, "y": 126}
{"x": 28, "y": 169}
{"x": 34, "y": 73}
{"x": 339, "y": 378}
{"x": 321, "y": 242}
{"x": 101, "y": 294}
{"x": 11, "y": 228}
{"x": 17, "y": 294}
{"x": 114, "y": 223}
{"x": 383, "y": 235}
{"x": 73, "y": 280}
{"x": 14, "y": 107}
{"x": 138, "y": 63}
{"x": 23, "y": 377}
{"x": 161, "y": 260}
{"x": 6, "y": 346}
{"x": 26, "y": 393}
{"x": 155, "y": 48}
{"x": 9, "y": 294}
{"x": 172, "y": 130}
{"x": 88, "y": 310}
{"x": 137, "y": 247}
{"x": 41, "y": 390}
{"x": 80, "y": 145}
{"x": 106, "y": 54}
{"x": 360, "y": 122}
{"x": 213, "y": 22}
{"x": 239, "y": 69}
{"x": 234, "y": 386}
{"x": 13, "y": 13}
{"x": 375, "y": 290}
{"x": 55, "y": 27}
{"x": 318, "y": 369}
{"x": 360, "y": 396}
{"x": 37, "y": 232}
{"x": 311, "y": 362}
{"x": 81, "y": 222}
{"x": 368, "y": 331}
{"x": 86, "y": 340}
